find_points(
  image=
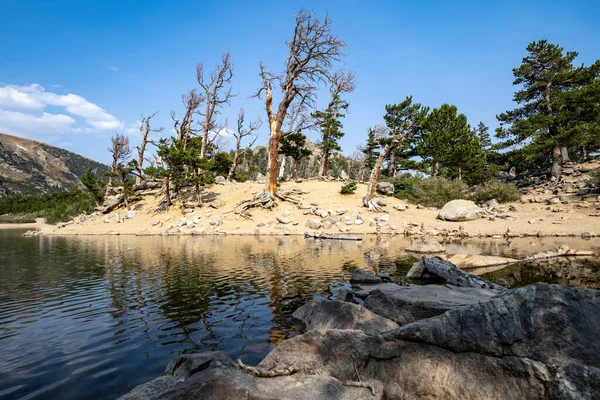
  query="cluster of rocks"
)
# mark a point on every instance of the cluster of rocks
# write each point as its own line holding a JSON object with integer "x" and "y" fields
{"x": 434, "y": 341}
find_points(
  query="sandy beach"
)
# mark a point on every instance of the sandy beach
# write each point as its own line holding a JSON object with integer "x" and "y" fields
{"x": 573, "y": 217}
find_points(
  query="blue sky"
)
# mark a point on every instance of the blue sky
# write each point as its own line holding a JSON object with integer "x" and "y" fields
{"x": 75, "y": 72}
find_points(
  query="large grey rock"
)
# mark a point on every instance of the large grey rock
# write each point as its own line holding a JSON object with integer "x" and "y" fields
{"x": 406, "y": 304}
{"x": 460, "y": 210}
{"x": 333, "y": 314}
{"x": 220, "y": 180}
{"x": 538, "y": 342}
{"x": 385, "y": 188}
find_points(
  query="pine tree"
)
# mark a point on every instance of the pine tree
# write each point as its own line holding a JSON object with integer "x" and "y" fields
{"x": 449, "y": 146}
{"x": 94, "y": 185}
{"x": 551, "y": 98}
{"x": 292, "y": 145}
{"x": 371, "y": 150}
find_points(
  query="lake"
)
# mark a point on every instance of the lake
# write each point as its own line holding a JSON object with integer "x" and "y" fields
{"x": 93, "y": 316}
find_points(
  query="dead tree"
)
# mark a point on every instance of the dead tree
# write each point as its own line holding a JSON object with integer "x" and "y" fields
{"x": 216, "y": 94}
{"x": 145, "y": 130}
{"x": 402, "y": 121}
{"x": 342, "y": 82}
{"x": 239, "y": 135}
{"x": 184, "y": 128}
{"x": 313, "y": 50}
{"x": 120, "y": 151}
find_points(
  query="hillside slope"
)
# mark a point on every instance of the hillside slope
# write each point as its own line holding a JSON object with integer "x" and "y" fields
{"x": 31, "y": 167}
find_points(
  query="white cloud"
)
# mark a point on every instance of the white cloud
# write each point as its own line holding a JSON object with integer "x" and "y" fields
{"x": 113, "y": 68}
{"x": 22, "y": 111}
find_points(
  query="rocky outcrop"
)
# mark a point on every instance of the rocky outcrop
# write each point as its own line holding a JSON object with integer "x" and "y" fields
{"x": 460, "y": 210}
{"x": 406, "y": 304}
{"x": 537, "y": 342}
{"x": 427, "y": 247}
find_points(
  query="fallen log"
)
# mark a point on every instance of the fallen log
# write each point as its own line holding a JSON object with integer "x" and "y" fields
{"x": 562, "y": 251}
{"x": 329, "y": 236}
{"x": 449, "y": 272}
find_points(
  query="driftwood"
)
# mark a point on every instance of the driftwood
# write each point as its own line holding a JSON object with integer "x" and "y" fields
{"x": 329, "y": 236}
{"x": 449, "y": 272}
{"x": 562, "y": 251}
{"x": 367, "y": 385}
{"x": 261, "y": 373}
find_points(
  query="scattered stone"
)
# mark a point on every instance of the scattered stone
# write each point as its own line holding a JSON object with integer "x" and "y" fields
{"x": 359, "y": 222}
{"x": 283, "y": 220}
{"x": 187, "y": 211}
{"x": 327, "y": 225}
{"x": 313, "y": 223}
{"x": 156, "y": 222}
{"x": 220, "y": 180}
{"x": 400, "y": 207}
{"x": 420, "y": 206}
{"x": 144, "y": 232}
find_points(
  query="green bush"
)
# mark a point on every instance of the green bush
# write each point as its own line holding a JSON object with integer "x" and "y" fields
{"x": 437, "y": 191}
{"x": 403, "y": 185}
{"x": 349, "y": 188}
{"x": 501, "y": 191}
{"x": 241, "y": 176}
{"x": 16, "y": 219}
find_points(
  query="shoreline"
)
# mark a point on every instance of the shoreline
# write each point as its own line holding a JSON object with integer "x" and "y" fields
{"x": 324, "y": 210}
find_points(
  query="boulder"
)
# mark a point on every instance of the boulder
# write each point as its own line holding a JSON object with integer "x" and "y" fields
{"x": 400, "y": 207}
{"x": 429, "y": 247}
{"x": 220, "y": 180}
{"x": 334, "y": 314}
{"x": 406, "y": 304}
{"x": 385, "y": 188}
{"x": 467, "y": 261}
{"x": 130, "y": 214}
{"x": 460, "y": 210}
{"x": 360, "y": 276}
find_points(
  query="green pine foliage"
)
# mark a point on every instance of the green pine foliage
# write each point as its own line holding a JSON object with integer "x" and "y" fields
{"x": 349, "y": 188}
{"x": 559, "y": 104}
{"x": 371, "y": 150}
{"x": 293, "y": 145}
{"x": 450, "y": 147}
{"x": 94, "y": 185}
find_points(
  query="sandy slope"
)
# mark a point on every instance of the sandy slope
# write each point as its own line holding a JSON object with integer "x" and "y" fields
{"x": 572, "y": 220}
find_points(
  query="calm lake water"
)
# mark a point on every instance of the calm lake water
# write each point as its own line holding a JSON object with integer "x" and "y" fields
{"x": 92, "y": 317}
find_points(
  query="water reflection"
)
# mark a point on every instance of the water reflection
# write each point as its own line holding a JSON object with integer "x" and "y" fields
{"x": 91, "y": 317}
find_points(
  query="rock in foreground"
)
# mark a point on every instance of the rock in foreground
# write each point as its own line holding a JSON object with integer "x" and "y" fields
{"x": 537, "y": 342}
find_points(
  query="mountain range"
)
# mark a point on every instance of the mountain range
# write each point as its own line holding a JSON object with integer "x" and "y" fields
{"x": 32, "y": 167}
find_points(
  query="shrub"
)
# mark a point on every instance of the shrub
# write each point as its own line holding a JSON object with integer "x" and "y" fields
{"x": 349, "y": 188}
{"x": 501, "y": 191}
{"x": 241, "y": 176}
{"x": 403, "y": 184}
{"x": 437, "y": 191}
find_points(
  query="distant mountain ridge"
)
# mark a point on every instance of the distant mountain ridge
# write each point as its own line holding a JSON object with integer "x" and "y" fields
{"x": 32, "y": 167}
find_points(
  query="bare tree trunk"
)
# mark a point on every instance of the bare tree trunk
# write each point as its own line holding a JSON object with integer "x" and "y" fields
{"x": 435, "y": 169}
{"x": 167, "y": 184}
{"x": 556, "y": 162}
{"x": 273, "y": 153}
{"x": 564, "y": 152}
{"x": 585, "y": 153}
{"x": 236, "y": 156}
{"x": 281, "y": 174}
{"x": 372, "y": 185}
{"x": 324, "y": 161}
{"x": 295, "y": 170}
{"x": 126, "y": 201}
{"x": 392, "y": 172}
